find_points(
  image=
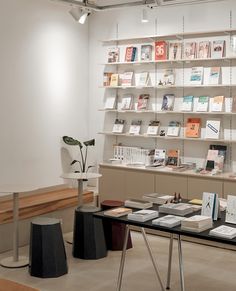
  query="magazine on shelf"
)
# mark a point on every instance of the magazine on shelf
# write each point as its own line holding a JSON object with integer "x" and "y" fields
{"x": 211, "y": 159}
{"x": 212, "y": 129}
{"x": 143, "y": 215}
{"x": 168, "y": 78}
{"x": 223, "y": 231}
{"x": 107, "y": 78}
{"x": 118, "y": 212}
{"x": 175, "y": 50}
{"x": 190, "y": 50}
{"x": 146, "y": 52}
{"x": 173, "y": 128}
{"x": 214, "y": 76}
{"x": 168, "y": 220}
{"x": 161, "y": 50}
{"x": 181, "y": 209}
{"x": 118, "y": 126}
{"x": 193, "y": 127}
{"x": 143, "y": 79}
{"x": 143, "y": 101}
{"x": 210, "y": 205}
{"x": 114, "y": 80}
{"x": 138, "y": 203}
{"x": 187, "y": 104}
{"x": 130, "y": 54}
{"x": 217, "y": 104}
{"x": 153, "y": 127}
{"x": 127, "y": 79}
{"x": 231, "y": 209}
{"x": 127, "y": 102}
{"x": 173, "y": 158}
{"x": 135, "y": 127}
{"x": 159, "y": 158}
{"x": 218, "y": 49}
{"x": 202, "y": 104}
{"x": 113, "y": 55}
{"x": 110, "y": 102}
{"x": 222, "y": 149}
{"x": 168, "y": 102}
{"x": 204, "y": 49}
{"x": 196, "y": 76}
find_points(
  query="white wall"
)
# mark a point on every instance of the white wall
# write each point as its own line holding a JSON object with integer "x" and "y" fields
{"x": 125, "y": 23}
{"x": 43, "y": 88}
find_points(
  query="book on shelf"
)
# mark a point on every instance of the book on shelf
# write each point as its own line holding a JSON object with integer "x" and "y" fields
{"x": 222, "y": 149}
{"x": 110, "y": 102}
{"x": 114, "y": 80}
{"x": 202, "y": 104}
{"x": 196, "y": 76}
{"x": 175, "y": 50}
{"x": 161, "y": 50}
{"x": 217, "y": 103}
{"x": 196, "y": 223}
{"x": 153, "y": 127}
{"x": 156, "y": 198}
{"x": 214, "y": 76}
{"x": 173, "y": 158}
{"x": 113, "y": 55}
{"x": 210, "y": 205}
{"x": 118, "y": 126}
{"x": 173, "y": 128}
{"x": 223, "y": 231}
{"x": 193, "y": 127}
{"x": 130, "y": 54}
{"x": 135, "y": 127}
{"x": 127, "y": 79}
{"x": 143, "y": 215}
{"x": 211, "y": 159}
{"x": 190, "y": 50}
{"x": 230, "y": 216}
{"x": 168, "y": 78}
{"x": 143, "y": 101}
{"x": 181, "y": 209}
{"x": 168, "y": 220}
{"x": 146, "y": 52}
{"x": 118, "y": 212}
{"x": 107, "y": 78}
{"x": 212, "y": 129}
{"x": 233, "y": 104}
{"x": 127, "y": 102}
{"x": 204, "y": 49}
{"x": 187, "y": 104}
{"x": 218, "y": 49}
{"x": 143, "y": 79}
{"x": 159, "y": 158}
{"x": 138, "y": 203}
{"x": 168, "y": 102}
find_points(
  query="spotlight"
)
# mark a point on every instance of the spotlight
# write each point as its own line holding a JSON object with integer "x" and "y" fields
{"x": 144, "y": 18}
{"x": 79, "y": 14}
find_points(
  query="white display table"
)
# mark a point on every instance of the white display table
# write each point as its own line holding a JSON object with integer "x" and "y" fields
{"x": 14, "y": 189}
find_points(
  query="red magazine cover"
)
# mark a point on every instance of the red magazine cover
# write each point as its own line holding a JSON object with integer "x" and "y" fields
{"x": 128, "y": 54}
{"x": 161, "y": 49}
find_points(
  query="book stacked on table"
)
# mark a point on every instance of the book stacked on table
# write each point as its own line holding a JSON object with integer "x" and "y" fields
{"x": 138, "y": 203}
{"x": 157, "y": 199}
{"x": 224, "y": 231}
{"x": 181, "y": 209}
{"x": 196, "y": 223}
{"x": 117, "y": 212}
{"x": 143, "y": 215}
{"x": 168, "y": 221}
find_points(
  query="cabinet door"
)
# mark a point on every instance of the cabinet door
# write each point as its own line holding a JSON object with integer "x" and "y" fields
{"x": 111, "y": 184}
{"x": 169, "y": 184}
{"x": 138, "y": 183}
{"x": 229, "y": 188}
{"x": 196, "y": 186}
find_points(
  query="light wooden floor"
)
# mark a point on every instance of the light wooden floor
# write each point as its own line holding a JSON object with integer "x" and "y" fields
{"x": 206, "y": 269}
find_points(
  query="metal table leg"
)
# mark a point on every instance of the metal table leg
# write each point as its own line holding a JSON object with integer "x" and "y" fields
{"x": 181, "y": 268}
{"x": 169, "y": 261}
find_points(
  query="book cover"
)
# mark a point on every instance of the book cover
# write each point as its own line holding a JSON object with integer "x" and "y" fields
{"x": 127, "y": 79}
{"x": 173, "y": 128}
{"x": 222, "y": 149}
{"x": 153, "y": 127}
{"x": 127, "y": 102}
{"x": 196, "y": 76}
{"x": 113, "y": 55}
{"x": 211, "y": 159}
{"x": 202, "y": 104}
{"x": 118, "y": 212}
{"x": 135, "y": 127}
{"x": 175, "y": 50}
{"x": 168, "y": 102}
{"x": 187, "y": 104}
{"x": 204, "y": 49}
{"x": 212, "y": 129}
{"x": 231, "y": 209}
{"x": 107, "y": 78}
{"x": 159, "y": 157}
{"x": 218, "y": 49}
{"x": 168, "y": 78}
{"x": 210, "y": 205}
{"x": 110, "y": 102}
{"x": 130, "y": 54}
{"x": 193, "y": 127}
{"x": 214, "y": 76}
{"x": 217, "y": 104}
{"x": 114, "y": 80}
{"x": 234, "y": 104}
{"x": 146, "y": 52}
{"x": 143, "y": 79}
{"x": 224, "y": 231}
{"x": 190, "y": 50}
{"x": 173, "y": 158}
{"x": 143, "y": 101}
{"x": 118, "y": 126}
{"x": 161, "y": 50}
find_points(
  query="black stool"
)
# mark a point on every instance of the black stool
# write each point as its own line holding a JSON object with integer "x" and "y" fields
{"x": 47, "y": 257}
{"x": 88, "y": 237}
{"x": 114, "y": 231}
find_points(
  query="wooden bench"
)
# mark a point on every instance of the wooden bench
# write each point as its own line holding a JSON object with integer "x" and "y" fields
{"x": 7, "y": 285}
{"x": 38, "y": 204}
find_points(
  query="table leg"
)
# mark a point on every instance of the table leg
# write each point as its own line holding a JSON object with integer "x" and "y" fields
{"x": 169, "y": 261}
{"x": 122, "y": 261}
{"x": 15, "y": 261}
{"x": 181, "y": 268}
{"x": 152, "y": 257}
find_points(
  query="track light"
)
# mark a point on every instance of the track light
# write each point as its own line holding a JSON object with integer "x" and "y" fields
{"x": 144, "y": 17}
{"x": 79, "y": 14}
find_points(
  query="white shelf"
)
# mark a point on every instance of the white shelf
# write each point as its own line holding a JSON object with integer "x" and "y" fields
{"x": 169, "y": 87}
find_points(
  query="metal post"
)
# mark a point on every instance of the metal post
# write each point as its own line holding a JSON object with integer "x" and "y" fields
{"x": 181, "y": 268}
{"x": 15, "y": 226}
{"x": 80, "y": 192}
{"x": 152, "y": 257}
{"x": 169, "y": 261}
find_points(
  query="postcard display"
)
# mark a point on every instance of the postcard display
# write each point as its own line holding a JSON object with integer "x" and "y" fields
{"x": 184, "y": 84}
